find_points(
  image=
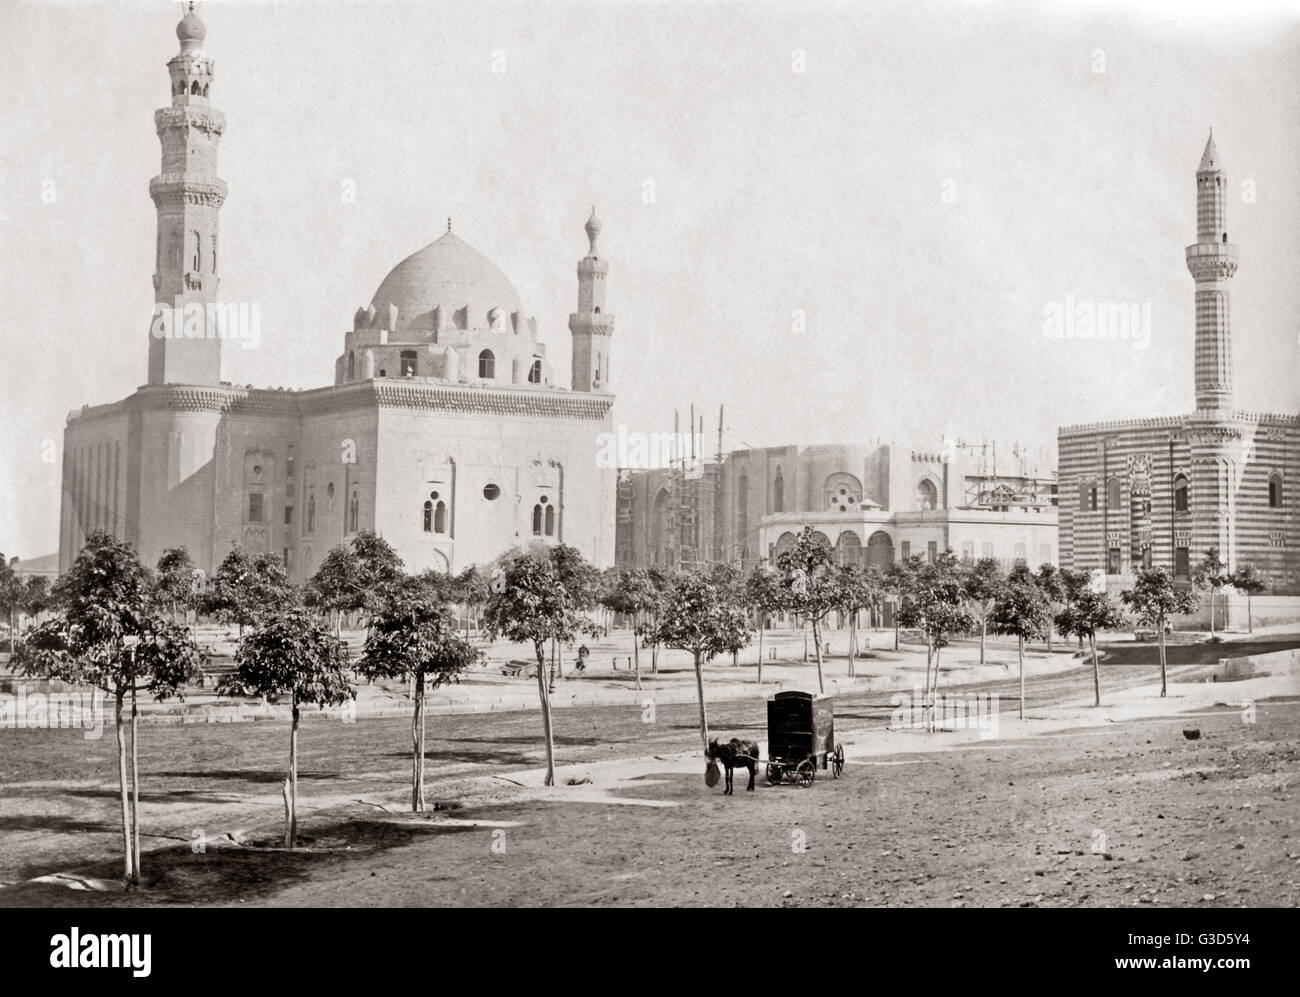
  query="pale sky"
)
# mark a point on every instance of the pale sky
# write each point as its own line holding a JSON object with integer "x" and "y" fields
{"x": 935, "y": 177}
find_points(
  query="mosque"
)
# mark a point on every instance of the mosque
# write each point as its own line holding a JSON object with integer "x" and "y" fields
{"x": 444, "y": 430}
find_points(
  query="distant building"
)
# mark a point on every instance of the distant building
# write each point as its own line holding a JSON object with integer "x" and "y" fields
{"x": 442, "y": 431}
{"x": 871, "y": 504}
{"x": 1165, "y": 490}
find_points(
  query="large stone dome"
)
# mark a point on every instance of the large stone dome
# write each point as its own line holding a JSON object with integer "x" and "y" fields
{"x": 453, "y": 274}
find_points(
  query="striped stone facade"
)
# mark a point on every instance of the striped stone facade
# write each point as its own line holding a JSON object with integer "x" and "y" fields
{"x": 1164, "y": 491}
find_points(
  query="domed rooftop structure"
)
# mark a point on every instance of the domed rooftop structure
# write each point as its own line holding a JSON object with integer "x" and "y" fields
{"x": 450, "y": 273}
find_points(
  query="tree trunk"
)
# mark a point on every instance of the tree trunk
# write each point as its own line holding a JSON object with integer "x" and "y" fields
{"x": 761, "y": 621}
{"x": 1050, "y": 628}
{"x": 654, "y": 659}
{"x": 417, "y": 744}
{"x": 1160, "y": 623}
{"x": 128, "y": 870}
{"x": 540, "y": 650}
{"x": 636, "y": 655}
{"x": 699, "y": 688}
{"x": 135, "y": 785}
{"x": 11, "y": 631}
{"x": 984, "y": 628}
{"x": 1211, "y": 614}
{"x": 895, "y": 628}
{"x": 817, "y": 647}
{"x": 853, "y": 640}
{"x": 1250, "y": 624}
{"x": 934, "y": 691}
{"x": 1020, "y": 653}
{"x": 291, "y": 829}
{"x": 1096, "y": 671}
{"x": 805, "y": 640}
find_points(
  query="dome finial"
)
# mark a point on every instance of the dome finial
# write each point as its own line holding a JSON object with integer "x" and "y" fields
{"x": 593, "y": 230}
{"x": 191, "y": 31}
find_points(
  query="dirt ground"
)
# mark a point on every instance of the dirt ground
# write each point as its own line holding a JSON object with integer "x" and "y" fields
{"x": 1127, "y": 813}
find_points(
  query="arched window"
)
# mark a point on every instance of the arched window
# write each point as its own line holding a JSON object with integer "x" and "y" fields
{"x": 410, "y": 365}
{"x": 1112, "y": 493}
{"x": 1275, "y": 491}
{"x": 198, "y": 253}
{"x": 1083, "y": 496}
{"x": 543, "y": 518}
{"x": 354, "y": 509}
{"x": 1180, "y": 493}
{"x": 194, "y": 88}
{"x": 927, "y": 496}
{"x": 1092, "y": 497}
{"x": 487, "y": 365}
{"x": 535, "y": 373}
{"x": 352, "y": 365}
{"x": 440, "y": 517}
{"x": 537, "y": 520}
{"x": 311, "y": 513}
{"x": 550, "y": 520}
{"x": 778, "y": 492}
{"x": 214, "y": 249}
{"x": 428, "y": 516}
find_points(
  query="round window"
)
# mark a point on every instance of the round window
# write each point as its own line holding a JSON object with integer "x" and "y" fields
{"x": 491, "y": 492}
{"x": 544, "y": 500}
{"x": 434, "y": 496}
{"x": 257, "y": 468}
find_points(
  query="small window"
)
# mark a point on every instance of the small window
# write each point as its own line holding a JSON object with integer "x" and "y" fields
{"x": 410, "y": 365}
{"x": 487, "y": 365}
{"x": 1112, "y": 561}
{"x": 311, "y": 513}
{"x": 288, "y": 558}
{"x": 932, "y": 551}
{"x": 1181, "y": 563}
{"x": 440, "y": 517}
{"x": 255, "y": 507}
{"x": 288, "y": 515}
{"x": 535, "y": 373}
{"x": 352, "y": 365}
{"x": 1092, "y": 498}
{"x": 428, "y": 516}
{"x": 905, "y": 549}
{"x": 550, "y": 520}
{"x": 491, "y": 492}
{"x": 1275, "y": 491}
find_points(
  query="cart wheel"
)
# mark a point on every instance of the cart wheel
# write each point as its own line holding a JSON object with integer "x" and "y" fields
{"x": 773, "y": 774}
{"x": 837, "y": 762}
{"x": 806, "y": 773}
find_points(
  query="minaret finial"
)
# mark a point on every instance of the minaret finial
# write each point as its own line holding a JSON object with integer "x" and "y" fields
{"x": 593, "y": 230}
{"x": 449, "y": 223}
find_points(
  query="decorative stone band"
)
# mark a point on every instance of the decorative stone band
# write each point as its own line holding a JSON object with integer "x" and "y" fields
{"x": 1177, "y": 423}
{"x": 188, "y": 187}
{"x": 203, "y": 118}
{"x": 1210, "y": 267}
{"x": 282, "y": 403}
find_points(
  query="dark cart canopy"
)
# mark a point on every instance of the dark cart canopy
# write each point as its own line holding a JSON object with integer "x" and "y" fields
{"x": 800, "y": 724}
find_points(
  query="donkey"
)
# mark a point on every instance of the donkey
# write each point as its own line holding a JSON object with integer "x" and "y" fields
{"x": 734, "y": 753}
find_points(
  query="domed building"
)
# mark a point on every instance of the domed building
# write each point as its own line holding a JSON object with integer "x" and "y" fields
{"x": 444, "y": 430}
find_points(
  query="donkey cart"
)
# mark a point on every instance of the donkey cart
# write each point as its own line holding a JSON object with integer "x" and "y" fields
{"x": 801, "y": 736}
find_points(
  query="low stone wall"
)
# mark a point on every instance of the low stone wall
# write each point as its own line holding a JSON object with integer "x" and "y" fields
{"x": 1258, "y": 665}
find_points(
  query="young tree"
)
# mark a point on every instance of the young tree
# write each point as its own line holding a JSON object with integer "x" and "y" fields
{"x": 936, "y": 607}
{"x": 289, "y": 654}
{"x": 36, "y": 595}
{"x": 175, "y": 578}
{"x": 414, "y": 638}
{"x": 1052, "y": 585}
{"x": 763, "y": 595}
{"x": 730, "y": 583}
{"x": 529, "y": 604}
{"x": 1153, "y": 599}
{"x": 853, "y": 594}
{"x": 633, "y": 595}
{"x": 379, "y": 571}
{"x": 700, "y": 618}
{"x": 981, "y": 585}
{"x": 899, "y": 579}
{"x": 1023, "y": 612}
{"x": 1211, "y": 575}
{"x": 11, "y": 594}
{"x": 244, "y": 590}
{"x": 1085, "y": 612}
{"x": 662, "y": 581}
{"x": 1247, "y": 579}
{"x": 336, "y": 586}
{"x": 808, "y": 585}
{"x": 108, "y": 636}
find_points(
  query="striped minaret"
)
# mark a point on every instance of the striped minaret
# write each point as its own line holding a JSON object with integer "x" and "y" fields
{"x": 1212, "y": 261}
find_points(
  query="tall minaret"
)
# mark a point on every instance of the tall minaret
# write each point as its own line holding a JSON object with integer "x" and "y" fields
{"x": 188, "y": 195}
{"x": 1212, "y": 261}
{"x": 590, "y": 325}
